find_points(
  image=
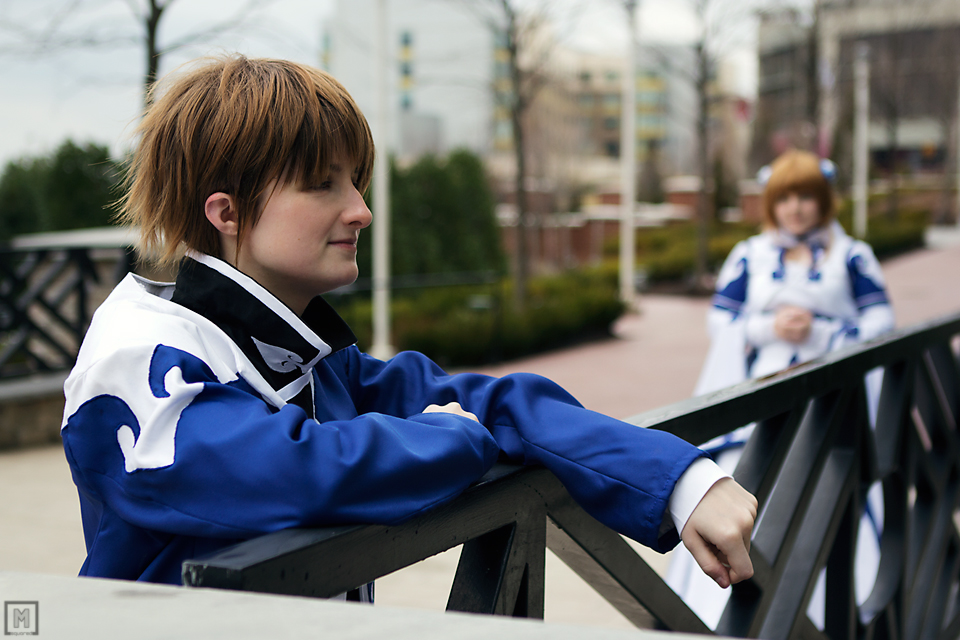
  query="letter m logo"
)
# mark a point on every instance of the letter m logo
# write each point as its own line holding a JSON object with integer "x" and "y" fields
{"x": 20, "y": 618}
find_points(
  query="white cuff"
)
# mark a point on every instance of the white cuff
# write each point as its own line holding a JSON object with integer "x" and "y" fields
{"x": 760, "y": 331}
{"x": 690, "y": 489}
{"x": 822, "y": 334}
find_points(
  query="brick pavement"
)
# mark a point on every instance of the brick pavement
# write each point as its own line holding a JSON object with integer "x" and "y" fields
{"x": 653, "y": 360}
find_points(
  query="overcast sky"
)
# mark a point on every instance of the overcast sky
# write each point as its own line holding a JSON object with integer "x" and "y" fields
{"x": 94, "y": 94}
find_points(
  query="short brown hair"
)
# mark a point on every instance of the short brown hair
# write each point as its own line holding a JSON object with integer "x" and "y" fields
{"x": 798, "y": 172}
{"x": 234, "y": 124}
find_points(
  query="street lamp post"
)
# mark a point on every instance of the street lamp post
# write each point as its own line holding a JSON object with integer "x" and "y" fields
{"x": 628, "y": 163}
{"x": 861, "y": 139}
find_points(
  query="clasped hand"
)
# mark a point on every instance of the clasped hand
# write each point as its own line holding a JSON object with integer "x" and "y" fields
{"x": 792, "y": 323}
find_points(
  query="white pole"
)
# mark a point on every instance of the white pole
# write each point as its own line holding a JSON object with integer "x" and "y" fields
{"x": 861, "y": 141}
{"x": 381, "y": 348}
{"x": 628, "y": 164}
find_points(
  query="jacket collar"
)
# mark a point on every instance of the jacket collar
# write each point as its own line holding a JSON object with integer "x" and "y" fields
{"x": 282, "y": 346}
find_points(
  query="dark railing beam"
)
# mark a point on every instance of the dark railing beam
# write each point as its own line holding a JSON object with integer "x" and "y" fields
{"x": 921, "y": 596}
{"x": 840, "y": 602}
{"x": 835, "y": 487}
{"x": 606, "y": 562}
{"x": 766, "y": 449}
{"x": 268, "y": 563}
{"x": 791, "y": 493}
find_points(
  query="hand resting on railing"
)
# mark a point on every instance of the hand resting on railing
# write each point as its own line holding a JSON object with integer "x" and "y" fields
{"x": 718, "y": 532}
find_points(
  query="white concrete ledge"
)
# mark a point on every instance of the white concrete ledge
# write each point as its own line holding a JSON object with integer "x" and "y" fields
{"x": 86, "y": 608}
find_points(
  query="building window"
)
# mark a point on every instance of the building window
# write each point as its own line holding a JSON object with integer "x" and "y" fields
{"x": 612, "y": 149}
{"x": 611, "y": 123}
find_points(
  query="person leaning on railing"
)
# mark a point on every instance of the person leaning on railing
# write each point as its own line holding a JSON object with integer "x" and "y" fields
{"x": 234, "y": 402}
{"x": 798, "y": 290}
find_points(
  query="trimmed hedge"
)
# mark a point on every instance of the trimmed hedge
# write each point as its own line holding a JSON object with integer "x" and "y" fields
{"x": 477, "y": 324}
{"x": 890, "y": 236}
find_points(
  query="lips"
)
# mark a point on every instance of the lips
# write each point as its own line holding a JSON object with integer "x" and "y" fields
{"x": 345, "y": 242}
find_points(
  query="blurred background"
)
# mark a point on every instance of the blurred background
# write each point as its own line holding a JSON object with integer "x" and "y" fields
{"x": 555, "y": 116}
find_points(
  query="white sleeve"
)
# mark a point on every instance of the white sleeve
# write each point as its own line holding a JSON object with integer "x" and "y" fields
{"x": 690, "y": 489}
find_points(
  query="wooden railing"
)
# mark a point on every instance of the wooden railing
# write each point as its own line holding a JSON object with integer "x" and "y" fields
{"x": 45, "y": 303}
{"x": 810, "y": 461}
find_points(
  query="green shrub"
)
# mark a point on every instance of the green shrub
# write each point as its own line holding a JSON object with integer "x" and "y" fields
{"x": 476, "y": 324}
{"x": 890, "y": 236}
{"x": 71, "y": 188}
{"x": 668, "y": 254}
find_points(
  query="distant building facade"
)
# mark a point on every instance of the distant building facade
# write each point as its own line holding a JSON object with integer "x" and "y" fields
{"x": 440, "y": 69}
{"x": 805, "y": 92}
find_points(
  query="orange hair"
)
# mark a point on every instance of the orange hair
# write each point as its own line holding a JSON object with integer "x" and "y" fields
{"x": 798, "y": 172}
{"x": 234, "y": 124}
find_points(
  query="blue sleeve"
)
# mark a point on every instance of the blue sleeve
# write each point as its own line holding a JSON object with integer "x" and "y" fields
{"x": 621, "y": 474}
{"x": 732, "y": 281}
{"x": 868, "y": 291}
{"x": 182, "y": 452}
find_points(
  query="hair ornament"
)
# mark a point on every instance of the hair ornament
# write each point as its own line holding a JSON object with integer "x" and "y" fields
{"x": 827, "y": 168}
{"x": 763, "y": 176}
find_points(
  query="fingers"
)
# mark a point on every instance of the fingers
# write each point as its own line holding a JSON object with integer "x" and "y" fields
{"x": 793, "y": 323}
{"x": 451, "y": 407}
{"x": 737, "y": 554}
{"x": 709, "y": 560}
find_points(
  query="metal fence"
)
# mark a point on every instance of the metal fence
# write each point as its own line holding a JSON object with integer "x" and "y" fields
{"x": 46, "y": 281}
{"x": 810, "y": 461}
{"x": 43, "y": 309}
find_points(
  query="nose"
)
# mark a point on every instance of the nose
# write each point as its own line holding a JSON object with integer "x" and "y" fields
{"x": 357, "y": 214}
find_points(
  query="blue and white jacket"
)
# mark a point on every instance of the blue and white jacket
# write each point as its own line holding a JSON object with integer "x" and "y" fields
{"x": 206, "y": 412}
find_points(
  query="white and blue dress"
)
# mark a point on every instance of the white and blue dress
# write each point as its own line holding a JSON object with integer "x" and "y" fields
{"x": 844, "y": 289}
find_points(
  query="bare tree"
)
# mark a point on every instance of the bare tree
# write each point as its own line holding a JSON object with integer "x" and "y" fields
{"x": 75, "y": 25}
{"x": 721, "y": 25}
{"x": 523, "y": 33}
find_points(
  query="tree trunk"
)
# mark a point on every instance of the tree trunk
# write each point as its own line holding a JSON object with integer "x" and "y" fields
{"x": 893, "y": 200}
{"x": 703, "y": 167}
{"x": 151, "y": 25}
{"x": 518, "y": 105}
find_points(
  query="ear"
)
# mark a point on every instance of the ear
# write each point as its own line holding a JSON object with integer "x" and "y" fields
{"x": 221, "y": 211}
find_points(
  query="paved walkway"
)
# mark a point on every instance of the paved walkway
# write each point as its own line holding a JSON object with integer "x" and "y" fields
{"x": 653, "y": 360}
